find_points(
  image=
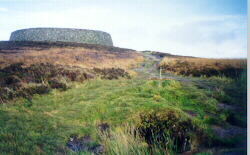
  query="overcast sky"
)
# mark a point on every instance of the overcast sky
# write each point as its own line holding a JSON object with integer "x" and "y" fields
{"x": 202, "y": 28}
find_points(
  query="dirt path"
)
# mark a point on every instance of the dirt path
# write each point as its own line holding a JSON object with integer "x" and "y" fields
{"x": 150, "y": 69}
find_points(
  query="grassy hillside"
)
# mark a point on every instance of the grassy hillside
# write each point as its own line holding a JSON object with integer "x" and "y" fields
{"x": 60, "y": 105}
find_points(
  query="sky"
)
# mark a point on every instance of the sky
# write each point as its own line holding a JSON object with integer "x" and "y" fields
{"x": 200, "y": 28}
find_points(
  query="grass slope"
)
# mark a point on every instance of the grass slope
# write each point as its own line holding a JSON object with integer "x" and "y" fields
{"x": 45, "y": 124}
{"x": 57, "y": 102}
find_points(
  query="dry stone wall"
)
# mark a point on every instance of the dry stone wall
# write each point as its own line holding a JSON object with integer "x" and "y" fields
{"x": 63, "y": 35}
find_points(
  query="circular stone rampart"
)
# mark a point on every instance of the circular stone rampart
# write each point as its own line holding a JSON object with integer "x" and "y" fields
{"x": 63, "y": 35}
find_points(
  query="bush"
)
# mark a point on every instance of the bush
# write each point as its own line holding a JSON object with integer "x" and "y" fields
{"x": 226, "y": 142}
{"x": 57, "y": 85}
{"x": 16, "y": 78}
{"x": 221, "y": 96}
{"x": 212, "y": 120}
{"x": 36, "y": 89}
{"x": 166, "y": 130}
{"x": 235, "y": 119}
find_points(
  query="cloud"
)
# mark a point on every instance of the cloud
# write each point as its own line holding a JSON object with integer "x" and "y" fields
{"x": 215, "y": 37}
{"x": 172, "y": 28}
{"x": 4, "y": 34}
{"x": 202, "y": 31}
{"x": 85, "y": 18}
{"x": 3, "y": 9}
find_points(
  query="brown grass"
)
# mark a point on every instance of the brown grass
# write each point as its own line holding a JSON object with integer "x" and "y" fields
{"x": 81, "y": 55}
{"x": 203, "y": 66}
{"x": 201, "y": 62}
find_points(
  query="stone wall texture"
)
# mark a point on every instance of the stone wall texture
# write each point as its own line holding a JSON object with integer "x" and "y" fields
{"x": 63, "y": 35}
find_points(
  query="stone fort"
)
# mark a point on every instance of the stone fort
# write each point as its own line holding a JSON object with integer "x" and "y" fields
{"x": 62, "y": 35}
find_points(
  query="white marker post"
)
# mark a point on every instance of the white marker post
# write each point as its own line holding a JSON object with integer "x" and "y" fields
{"x": 160, "y": 72}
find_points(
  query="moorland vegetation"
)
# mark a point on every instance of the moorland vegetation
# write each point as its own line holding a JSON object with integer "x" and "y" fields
{"x": 59, "y": 98}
